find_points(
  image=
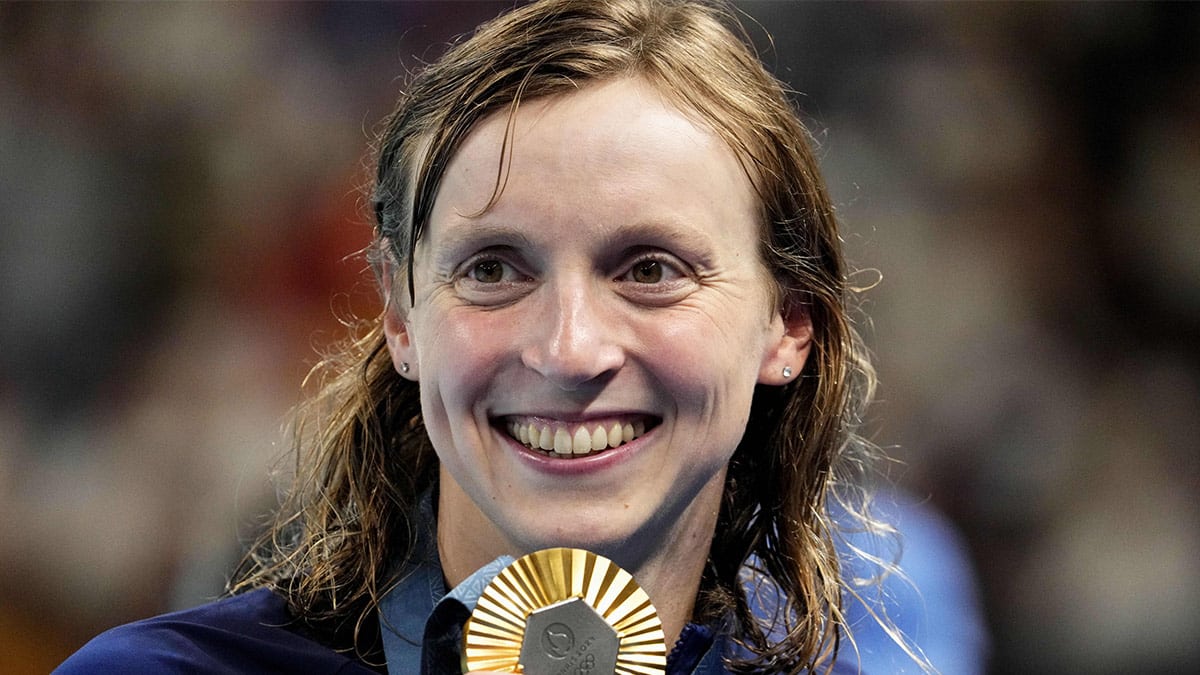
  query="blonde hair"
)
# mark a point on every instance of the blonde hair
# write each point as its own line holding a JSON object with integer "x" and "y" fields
{"x": 363, "y": 455}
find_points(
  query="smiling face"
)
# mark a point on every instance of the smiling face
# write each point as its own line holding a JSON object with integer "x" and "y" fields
{"x": 588, "y": 347}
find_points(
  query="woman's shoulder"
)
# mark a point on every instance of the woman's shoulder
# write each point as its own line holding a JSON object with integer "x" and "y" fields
{"x": 248, "y": 633}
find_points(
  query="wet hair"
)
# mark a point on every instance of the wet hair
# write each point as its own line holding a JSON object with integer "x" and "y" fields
{"x": 363, "y": 457}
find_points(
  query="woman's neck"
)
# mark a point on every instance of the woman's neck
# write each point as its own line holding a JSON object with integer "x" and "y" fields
{"x": 668, "y": 562}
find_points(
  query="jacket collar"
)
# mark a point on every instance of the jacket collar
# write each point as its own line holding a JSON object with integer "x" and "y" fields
{"x": 420, "y": 618}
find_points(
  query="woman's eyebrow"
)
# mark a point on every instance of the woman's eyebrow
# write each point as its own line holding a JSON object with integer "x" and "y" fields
{"x": 654, "y": 229}
{"x": 478, "y": 235}
{"x": 667, "y": 233}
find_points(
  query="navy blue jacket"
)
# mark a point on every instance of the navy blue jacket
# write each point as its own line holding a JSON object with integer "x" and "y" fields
{"x": 254, "y": 633}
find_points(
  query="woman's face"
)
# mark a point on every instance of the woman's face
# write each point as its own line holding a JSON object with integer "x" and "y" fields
{"x": 610, "y": 309}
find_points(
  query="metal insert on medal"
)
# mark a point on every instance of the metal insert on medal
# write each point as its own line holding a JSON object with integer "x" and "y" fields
{"x": 565, "y": 611}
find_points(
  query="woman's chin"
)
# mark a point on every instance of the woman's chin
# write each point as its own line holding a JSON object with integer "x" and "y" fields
{"x": 621, "y": 542}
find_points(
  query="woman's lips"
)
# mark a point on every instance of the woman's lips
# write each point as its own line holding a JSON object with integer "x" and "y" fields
{"x": 568, "y": 440}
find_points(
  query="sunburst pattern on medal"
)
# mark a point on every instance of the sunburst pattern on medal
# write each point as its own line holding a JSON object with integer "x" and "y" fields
{"x": 496, "y": 628}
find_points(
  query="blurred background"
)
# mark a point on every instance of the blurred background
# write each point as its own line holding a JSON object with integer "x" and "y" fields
{"x": 180, "y": 209}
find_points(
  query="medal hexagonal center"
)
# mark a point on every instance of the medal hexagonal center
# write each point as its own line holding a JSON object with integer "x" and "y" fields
{"x": 568, "y": 638}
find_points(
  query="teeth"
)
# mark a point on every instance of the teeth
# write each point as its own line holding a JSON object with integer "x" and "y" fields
{"x": 582, "y": 443}
{"x": 599, "y": 438}
{"x": 560, "y": 441}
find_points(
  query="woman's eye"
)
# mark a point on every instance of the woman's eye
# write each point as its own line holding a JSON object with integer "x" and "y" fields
{"x": 487, "y": 271}
{"x": 654, "y": 270}
{"x": 491, "y": 279}
{"x": 647, "y": 272}
{"x": 657, "y": 279}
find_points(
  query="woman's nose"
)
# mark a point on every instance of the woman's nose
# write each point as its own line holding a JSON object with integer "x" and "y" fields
{"x": 574, "y": 341}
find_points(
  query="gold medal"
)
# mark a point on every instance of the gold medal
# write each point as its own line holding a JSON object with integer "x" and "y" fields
{"x": 565, "y": 611}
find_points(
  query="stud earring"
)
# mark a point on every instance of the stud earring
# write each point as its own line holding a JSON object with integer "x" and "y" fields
{"x": 787, "y": 371}
{"x": 404, "y": 366}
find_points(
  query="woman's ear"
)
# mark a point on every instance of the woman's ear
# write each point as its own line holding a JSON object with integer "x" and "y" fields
{"x": 787, "y": 352}
{"x": 399, "y": 343}
{"x": 397, "y": 333}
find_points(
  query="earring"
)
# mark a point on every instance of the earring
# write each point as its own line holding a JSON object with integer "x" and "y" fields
{"x": 787, "y": 371}
{"x": 404, "y": 366}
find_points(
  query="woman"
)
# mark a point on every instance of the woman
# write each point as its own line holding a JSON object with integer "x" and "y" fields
{"x": 615, "y": 320}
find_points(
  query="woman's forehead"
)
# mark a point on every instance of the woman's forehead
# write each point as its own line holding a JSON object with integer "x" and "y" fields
{"x": 630, "y": 108}
{"x": 618, "y": 149}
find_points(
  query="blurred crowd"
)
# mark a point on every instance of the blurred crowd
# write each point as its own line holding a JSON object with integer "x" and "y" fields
{"x": 181, "y": 206}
